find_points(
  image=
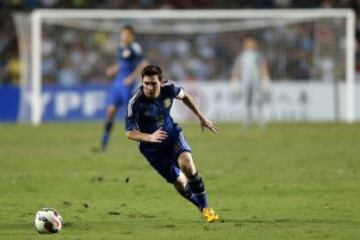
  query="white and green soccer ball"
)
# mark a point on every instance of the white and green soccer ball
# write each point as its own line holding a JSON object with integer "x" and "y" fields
{"x": 48, "y": 220}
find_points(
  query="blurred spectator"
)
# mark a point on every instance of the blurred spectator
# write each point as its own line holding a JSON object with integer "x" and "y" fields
{"x": 68, "y": 76}
{"x": 12, "y": 70}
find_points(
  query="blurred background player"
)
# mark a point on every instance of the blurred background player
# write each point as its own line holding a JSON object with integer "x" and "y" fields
{"x": 162, "y": 142}
{"x": 130, "y": 61}
{"x": 251, "y": 69}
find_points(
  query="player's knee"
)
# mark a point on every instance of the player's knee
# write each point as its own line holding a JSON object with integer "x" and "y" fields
{"x": 186, "y": 164}
{"x": 196, "y": 184}
{"x": 111, "y": 112}
{"x": 180, "y": 182}
{"x": 188, "y": 170}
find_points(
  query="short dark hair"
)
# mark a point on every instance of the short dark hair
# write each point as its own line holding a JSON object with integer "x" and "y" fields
{"x": 128, "y": 28}
{"x": 151, "y": 70}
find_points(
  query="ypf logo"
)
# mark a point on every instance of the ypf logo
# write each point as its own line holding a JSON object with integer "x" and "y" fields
{"x": 88, "y": 103}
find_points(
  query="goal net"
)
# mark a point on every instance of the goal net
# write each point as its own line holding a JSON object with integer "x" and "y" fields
{"x": 69, "y": 48}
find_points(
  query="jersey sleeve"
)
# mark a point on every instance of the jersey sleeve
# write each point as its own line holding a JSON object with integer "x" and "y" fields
{"x": 137, "y": 52}
{"x": 131, "y": 121}
{"x": 175, "y": 90}
{"x": 132, "y": 115}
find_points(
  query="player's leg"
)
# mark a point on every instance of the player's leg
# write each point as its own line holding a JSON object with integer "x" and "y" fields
{"x": 196, "y": 185}
{"x": 167, "y": 164}
{"x": 182, "y": 186}
{"x": 112, "y": 104}
{"x": 186, "y": 164}
{"x": 260, "y": 100}
{"x": 109, "y": 122}
{"x": 248, "y": 105}
{"x": 118, "y": 97}
{"x": 163, "y": 163}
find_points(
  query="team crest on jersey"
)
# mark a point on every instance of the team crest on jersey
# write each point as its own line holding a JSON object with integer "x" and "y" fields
{"x": 167, "y": 103}
{"x": 126, "y": 53}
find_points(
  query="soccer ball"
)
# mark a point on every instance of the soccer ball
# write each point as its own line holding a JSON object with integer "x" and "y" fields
{"x": 48, "y": 220}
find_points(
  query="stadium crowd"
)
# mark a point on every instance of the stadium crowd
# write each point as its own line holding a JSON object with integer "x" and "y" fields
{"x": 187, "y": 56}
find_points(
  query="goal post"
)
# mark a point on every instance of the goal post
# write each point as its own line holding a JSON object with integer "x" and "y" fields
{"x": 190, "y": 22}
{"x": 350, "y": 65}
{"x": 36, "y": 80}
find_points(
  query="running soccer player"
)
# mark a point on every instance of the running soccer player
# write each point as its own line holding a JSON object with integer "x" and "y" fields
{"x": 251, "y": 69}
{"x": 130, "y": 62}
{"x": 162, "y": 141}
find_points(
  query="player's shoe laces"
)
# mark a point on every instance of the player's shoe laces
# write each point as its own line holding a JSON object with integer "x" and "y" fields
{"x": 209, "y": 215}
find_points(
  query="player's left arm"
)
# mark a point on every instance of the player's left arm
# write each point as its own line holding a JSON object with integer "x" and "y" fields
{"x": 190, "y": 103}
{"x": 112, "y": 70}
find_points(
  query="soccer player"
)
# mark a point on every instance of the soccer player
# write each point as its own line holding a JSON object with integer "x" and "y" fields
{"x": 251, "y": 69}
{"x": 130, "y": 62}
{"x": 162, "y": 141}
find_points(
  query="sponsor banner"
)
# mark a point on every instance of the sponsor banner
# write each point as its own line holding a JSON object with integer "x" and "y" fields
{"x": 69, "y": 104}
{"x": 285, "y": 101}
{"x": 9, "y": 103}
{"x": 78, "y": 103}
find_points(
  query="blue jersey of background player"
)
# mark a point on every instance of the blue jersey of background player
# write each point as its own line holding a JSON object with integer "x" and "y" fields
{"x": 129, "y": 63}
{"x": 162, "y": 141}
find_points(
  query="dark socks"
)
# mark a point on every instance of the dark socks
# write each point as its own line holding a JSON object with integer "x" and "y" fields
{"x": 187, "y": 194}
{"x": 197, "y": 187}
{"x": 105, "y": 137}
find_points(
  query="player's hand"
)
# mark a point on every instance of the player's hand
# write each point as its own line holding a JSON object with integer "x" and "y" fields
{"x": 205, "y": 123}
{"x": 234, "y": 82}
{"x": 266, "y": 83}
{"x": 128, "y": 81}
{"x": 110, "y": 72}
{"x": 158, "y": 136}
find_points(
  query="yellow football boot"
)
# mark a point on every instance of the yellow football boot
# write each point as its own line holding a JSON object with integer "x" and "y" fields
{"x": 209, "y": 215}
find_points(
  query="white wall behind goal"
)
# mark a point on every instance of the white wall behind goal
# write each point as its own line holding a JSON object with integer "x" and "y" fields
{"x": 289, "y": 101}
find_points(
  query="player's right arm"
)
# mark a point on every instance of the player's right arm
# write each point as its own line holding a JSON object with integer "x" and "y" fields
{"x": 204, "y": 122}
{"x": 156, "y": 137}
{"x": 179, "y": 93}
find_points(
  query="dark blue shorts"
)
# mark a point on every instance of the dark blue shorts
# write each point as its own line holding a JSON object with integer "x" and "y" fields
{"x": 164, "y": 160}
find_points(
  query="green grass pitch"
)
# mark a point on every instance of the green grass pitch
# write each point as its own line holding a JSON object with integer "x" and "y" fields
{"x": 291, "y": 181}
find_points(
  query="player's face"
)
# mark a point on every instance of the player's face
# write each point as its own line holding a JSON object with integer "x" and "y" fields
{"x": 126, "y": 37}
{"x": 250, "y": 44}
{"x": 151, "y": 86}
